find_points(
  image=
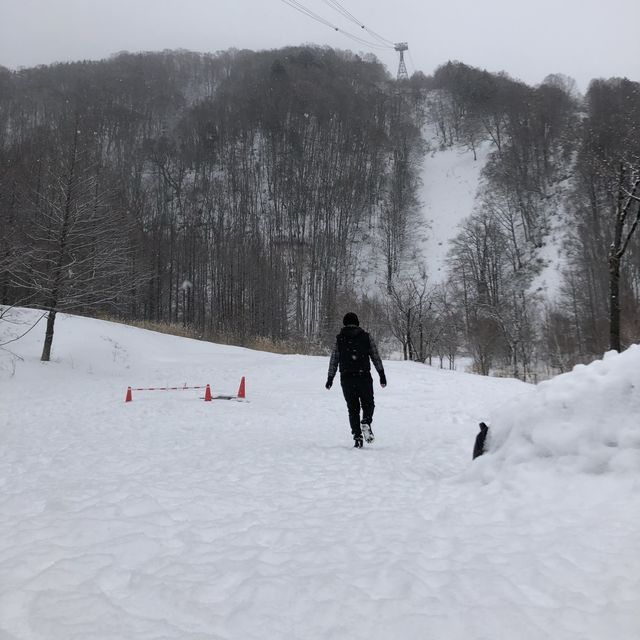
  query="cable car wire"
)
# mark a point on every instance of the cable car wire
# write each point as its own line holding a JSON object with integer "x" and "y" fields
{"x": 334, "y": 4}
{"x": 298, "y": 6}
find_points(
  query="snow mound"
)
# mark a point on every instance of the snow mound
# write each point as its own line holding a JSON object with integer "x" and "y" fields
{"x": 587, "y": 420}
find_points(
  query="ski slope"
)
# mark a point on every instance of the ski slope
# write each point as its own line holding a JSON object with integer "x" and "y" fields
{"x": 450, "y": 180}
{"x": 170, "y": 517}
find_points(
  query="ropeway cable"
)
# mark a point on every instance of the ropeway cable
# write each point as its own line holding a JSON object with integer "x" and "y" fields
{"x": 298, "y": 6}
{"x": 340, "y": 9}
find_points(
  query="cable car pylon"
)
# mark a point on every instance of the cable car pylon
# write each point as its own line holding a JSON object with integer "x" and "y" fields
{"x": 401, "y": 47}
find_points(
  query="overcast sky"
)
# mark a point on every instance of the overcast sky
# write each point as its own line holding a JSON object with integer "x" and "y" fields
{"x": 529, "y": 40}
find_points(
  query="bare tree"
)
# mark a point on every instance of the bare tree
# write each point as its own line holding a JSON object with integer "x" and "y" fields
{"x": 410, "y": 317}
{"x": 76, "y": 252}
{"x": 605, "y": 214}
{"x": 626, "y": 219}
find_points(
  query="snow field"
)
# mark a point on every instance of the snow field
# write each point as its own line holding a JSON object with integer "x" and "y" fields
{"x": 171, "y": 517}
{"x": 450, "y": 180}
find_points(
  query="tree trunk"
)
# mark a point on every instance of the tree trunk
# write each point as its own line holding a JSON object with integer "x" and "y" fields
{"x": 48, "y": 337}
{"x": 614, "y": 300}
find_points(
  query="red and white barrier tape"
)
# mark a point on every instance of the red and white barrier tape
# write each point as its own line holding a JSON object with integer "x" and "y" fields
{"x": 165, "y": 388}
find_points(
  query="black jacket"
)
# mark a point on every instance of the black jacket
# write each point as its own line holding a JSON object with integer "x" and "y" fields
{"x": 353, "y": 352}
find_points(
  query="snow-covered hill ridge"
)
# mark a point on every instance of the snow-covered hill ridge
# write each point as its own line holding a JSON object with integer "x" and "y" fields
{"x": 177, "y": 518}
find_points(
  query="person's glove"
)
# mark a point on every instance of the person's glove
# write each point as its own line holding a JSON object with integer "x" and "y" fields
{"x": 329, "y": 383}
{"x": 383, "y": 380}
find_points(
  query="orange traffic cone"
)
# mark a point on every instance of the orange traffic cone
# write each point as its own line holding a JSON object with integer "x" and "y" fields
{"x": 241, "y": 390}
{"x": 207, "y": 394}
{"x": 128, "y": 398}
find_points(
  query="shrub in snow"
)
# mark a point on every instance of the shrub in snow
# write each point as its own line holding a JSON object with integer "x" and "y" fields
{"x": 587, "y": 420}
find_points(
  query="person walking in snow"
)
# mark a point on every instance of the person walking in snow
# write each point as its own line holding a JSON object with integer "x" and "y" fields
{"x": 353, "y": 351}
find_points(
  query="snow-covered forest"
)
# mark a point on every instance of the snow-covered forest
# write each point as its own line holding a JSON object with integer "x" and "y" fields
{"x": 250, "y": 198}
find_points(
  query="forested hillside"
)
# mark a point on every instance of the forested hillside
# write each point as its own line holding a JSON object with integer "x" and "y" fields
{"x": 255, "y": 196}
{"x": 559, "y": 162}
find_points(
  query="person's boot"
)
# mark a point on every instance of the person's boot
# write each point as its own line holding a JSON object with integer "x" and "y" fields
{"x": 367, "y": 433}
{"x": 357, "y": 443}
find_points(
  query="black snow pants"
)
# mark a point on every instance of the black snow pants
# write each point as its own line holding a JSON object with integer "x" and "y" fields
{"x": 358, "y": 392}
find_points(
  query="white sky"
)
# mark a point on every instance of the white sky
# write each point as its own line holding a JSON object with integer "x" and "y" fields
{"x": 580, "y": 38}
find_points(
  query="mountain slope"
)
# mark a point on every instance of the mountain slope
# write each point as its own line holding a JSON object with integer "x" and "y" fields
{"x": 450, "y": 179}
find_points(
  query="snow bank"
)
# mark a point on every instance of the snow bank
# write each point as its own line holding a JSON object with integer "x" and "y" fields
{"x": 586, "y": 421}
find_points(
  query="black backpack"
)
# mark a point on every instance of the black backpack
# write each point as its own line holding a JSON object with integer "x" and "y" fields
{"x": 354, "y": 348}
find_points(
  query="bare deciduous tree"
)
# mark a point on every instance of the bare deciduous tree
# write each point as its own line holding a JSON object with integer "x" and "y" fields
{"x": 76, "y": 253}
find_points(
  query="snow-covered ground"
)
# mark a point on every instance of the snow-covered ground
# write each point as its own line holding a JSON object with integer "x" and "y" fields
{"x": 450, "y": 180}
{"x": 170, "y": 517}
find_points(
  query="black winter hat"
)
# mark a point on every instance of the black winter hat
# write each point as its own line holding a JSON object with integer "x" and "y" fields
{"x": 350, "y": 318}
